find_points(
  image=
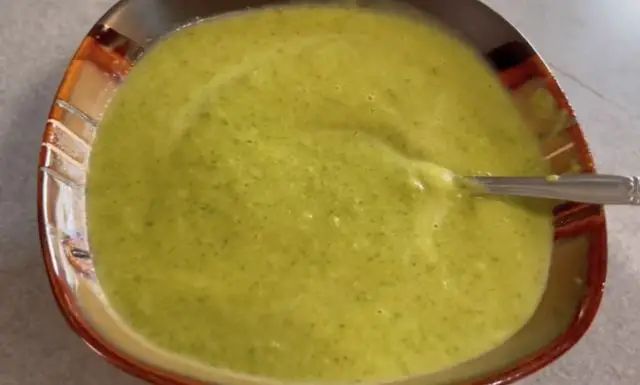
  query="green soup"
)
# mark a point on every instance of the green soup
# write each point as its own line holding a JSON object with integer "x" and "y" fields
{"x": 270, "y": 193}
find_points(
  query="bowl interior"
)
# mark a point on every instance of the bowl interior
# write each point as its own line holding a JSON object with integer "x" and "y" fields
{"x": 110, "y": 50}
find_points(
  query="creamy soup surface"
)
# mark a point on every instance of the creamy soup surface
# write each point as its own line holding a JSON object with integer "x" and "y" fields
{"x": 272, "y": 193}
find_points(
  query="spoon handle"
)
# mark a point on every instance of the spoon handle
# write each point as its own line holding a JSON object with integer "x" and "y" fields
{"x": 587, "y": 188}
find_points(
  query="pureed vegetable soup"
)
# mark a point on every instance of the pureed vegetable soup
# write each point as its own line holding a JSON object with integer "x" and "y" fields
{"x": 270, "y": 193}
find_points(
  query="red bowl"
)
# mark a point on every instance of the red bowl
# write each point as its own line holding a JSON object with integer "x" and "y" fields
{"x": 98, "y": 68}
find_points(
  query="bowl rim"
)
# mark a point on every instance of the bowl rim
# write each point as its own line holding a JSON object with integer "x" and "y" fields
{"x": 596, "y": 228}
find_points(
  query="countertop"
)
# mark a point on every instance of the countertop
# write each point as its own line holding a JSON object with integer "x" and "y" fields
{"x": 593, "y": 46}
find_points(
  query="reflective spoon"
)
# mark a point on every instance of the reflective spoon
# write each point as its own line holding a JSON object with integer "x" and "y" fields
{"x": 586, "y": 188}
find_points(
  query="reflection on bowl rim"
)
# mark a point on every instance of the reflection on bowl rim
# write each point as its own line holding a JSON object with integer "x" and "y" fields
{"x": 113, "y": 52}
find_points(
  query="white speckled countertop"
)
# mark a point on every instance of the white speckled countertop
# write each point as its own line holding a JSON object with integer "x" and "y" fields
{"x": 593, "y": 46}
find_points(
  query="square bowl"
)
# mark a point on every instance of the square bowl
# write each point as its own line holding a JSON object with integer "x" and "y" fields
{"x": 121, "y": 37}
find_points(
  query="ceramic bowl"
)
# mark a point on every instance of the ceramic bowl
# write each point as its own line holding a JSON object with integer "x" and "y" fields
{"x": 122, "y": 36}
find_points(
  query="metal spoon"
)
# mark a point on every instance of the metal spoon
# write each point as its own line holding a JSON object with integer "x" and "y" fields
{"x": 587, "y": 188}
